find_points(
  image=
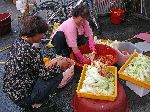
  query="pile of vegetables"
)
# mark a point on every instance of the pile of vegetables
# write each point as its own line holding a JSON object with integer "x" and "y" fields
{"x": 97, "y": 41}
{"x": 98, "y": 79}
{"x": 139, "y": 68}
{"x": 89, "y": 55}
{"x": 107, "y": 59}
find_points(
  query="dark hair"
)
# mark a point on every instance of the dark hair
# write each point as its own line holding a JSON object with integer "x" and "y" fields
{"x": 81, "y": 10}
{"x": 33, "y": 25}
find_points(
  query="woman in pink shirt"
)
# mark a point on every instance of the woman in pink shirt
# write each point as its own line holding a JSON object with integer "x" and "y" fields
{"x": 74, "y": 32}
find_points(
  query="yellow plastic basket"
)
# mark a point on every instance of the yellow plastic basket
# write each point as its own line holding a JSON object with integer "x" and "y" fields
{"x": 96, "y": 96}
{"x": 105, "y": 41}
{"x": 123, "y": 76}
{"x": 46, "y": 60}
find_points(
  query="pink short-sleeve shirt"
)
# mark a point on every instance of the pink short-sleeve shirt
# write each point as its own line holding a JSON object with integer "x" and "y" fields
{"x": 70, "y": 31}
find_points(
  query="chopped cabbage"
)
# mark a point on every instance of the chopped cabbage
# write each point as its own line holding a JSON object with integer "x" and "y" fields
{"x": 95, "y": 83}
{"x": 89, "y": 55}
{"x": 139, "y": 68}
{"x": 107, "y": 43}
{"x": 104, "y": 43}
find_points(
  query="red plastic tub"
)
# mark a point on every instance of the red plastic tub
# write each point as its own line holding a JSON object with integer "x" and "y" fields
{"x": 102, "y": 50}
{"x": 5, "y": 23}
{"x": 89, "y": 105}
{"x": 117, "y": 16}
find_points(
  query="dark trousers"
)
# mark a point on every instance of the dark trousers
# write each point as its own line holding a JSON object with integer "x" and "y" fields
{"x": 59, "y": 42}
{"x": 41, "y": 91}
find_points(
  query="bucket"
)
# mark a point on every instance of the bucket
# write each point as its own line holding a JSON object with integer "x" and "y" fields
{"x": 117, "y": 16}
{"x": 5, "y": 23}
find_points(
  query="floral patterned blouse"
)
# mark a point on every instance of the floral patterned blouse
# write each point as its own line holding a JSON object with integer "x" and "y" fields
{"x": 24, "y": 66}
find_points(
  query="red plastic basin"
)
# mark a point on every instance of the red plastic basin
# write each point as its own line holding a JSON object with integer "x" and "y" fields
{"x": 90, "y": 105}
{"x": 5, "y": 23}
{"x": 102, "y": 50}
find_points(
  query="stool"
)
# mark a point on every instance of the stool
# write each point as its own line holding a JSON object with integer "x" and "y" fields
{"x": 89, "y": 105}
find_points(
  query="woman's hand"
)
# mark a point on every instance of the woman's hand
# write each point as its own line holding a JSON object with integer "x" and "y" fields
{"x": 63, "y": 63}
{"x": 86, "y": 61}
{"x": 81, "y": 58}
{"x": 51, "y": 63}
{"x": 91, "y": 45}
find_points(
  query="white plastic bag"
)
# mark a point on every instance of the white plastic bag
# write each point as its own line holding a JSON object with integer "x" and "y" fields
{"x": 145, "y": 46}
{"x": 124, "y": 46}
{"x": 21, "y": 5}
{"x": 68, "y": 74}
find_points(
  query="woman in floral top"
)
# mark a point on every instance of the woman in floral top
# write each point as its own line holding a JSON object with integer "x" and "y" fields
{"x": 27, "y": 81}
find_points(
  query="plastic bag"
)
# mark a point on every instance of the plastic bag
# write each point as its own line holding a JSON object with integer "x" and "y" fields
{"x": 68, "y": 74}
{"x": 124, "y": 46}
{"x": 21, "y": 5}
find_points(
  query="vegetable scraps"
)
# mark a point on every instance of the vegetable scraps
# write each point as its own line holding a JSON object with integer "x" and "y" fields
{"x": 107, "y": 59}
{"x": 89, "y": 55}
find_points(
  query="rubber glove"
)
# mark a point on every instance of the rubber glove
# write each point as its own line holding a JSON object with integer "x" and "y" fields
{"x": 91, "y": 45}
{"x": 81, "y": 58}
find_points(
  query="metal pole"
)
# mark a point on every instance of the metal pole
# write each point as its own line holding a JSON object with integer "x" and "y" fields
{"x": 141, "y": 6}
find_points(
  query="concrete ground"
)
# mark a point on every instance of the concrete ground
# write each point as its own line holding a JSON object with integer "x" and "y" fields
{"x": 126, "y": 30}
